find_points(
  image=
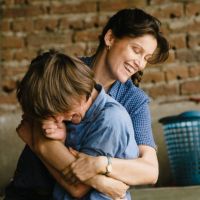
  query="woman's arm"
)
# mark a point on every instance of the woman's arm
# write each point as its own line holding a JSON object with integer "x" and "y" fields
{"x": 56, "y": 154}
{"x": 55, "y": 157}
{"x": 138, "y": 171}
{"x": 31, "y": 134}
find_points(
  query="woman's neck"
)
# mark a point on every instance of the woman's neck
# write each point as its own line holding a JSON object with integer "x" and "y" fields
{"x": 100, "y": 68}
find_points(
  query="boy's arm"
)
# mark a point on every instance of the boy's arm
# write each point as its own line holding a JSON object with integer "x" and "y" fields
{"x": 57, "y": 155}
{"x": 32, "y": 135}
{"x": 54, "y": 153}
{"x": 76, "y": 190}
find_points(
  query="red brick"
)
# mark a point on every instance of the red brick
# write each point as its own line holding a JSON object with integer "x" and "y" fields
{"x": 24, "y": 54}
{"x": 192, "y": 8}
{"x": 9, "y": 85}
{"x": 190, "y": 87}
{"x": 178, "y": 41}
{"x": 114, "y": 5}
{"x": 103, "y": 19}
{"x": 74, "y": 7}
{"x": 12, "y": 42}
{"x": 4, "y": 25}
{"x": 194, "y": 26}
{"x": 8, "y": 99}
{"x": 25, "y": 25}
{"x": 29, "y": 11}
{"x": 91, "y": 21}
{"x": 13, "y": 71}
{"x": 6, "y": 54}
{"x": 20, "y": 2}
{"x": 9, "y": 2}
{"x": 160, "y": 2}
{"x": 172, "y": 10}
{"x": 163, "y": 90}
{"x": 194, "y": 40}
{"x": 153, "y": 77}
{"x": 194, "y": 70}
{"x": 77, "y": 49}
{"x": 42, "y": 24}
{"x": 76, "y": 22}
{"x": 87, "y": 35}
{"x": 47, "y": 39}
{"x": 176, "y": 72}
{"x": 63, "y": 23}
{"x": 165, "y": 29}
{"x": 186, "y": 55}
{"x": 171, "y": 58}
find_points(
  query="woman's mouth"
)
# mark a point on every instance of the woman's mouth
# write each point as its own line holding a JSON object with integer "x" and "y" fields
{"x": 130, "y": 69}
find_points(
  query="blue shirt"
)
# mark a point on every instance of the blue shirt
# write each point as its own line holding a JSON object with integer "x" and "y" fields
{"x": 105, "y": 130}
{"x": 136, "y": 103}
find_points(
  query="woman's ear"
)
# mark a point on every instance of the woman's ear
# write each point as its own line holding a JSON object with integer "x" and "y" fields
{"x": 109, "y": 38}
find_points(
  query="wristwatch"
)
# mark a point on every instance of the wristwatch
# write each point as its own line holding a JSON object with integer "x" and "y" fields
{"x": 109, "y": 166}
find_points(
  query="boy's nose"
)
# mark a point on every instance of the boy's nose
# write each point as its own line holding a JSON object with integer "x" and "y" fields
{"x": 59, "y": 118}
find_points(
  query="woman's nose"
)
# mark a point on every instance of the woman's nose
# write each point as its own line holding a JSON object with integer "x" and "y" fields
{"x": 141, "y": 63}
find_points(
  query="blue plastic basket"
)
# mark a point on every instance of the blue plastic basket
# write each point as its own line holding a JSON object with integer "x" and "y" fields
{"x": 182, "y": 137}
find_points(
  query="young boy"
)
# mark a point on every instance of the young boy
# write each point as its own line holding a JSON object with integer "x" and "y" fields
{"x": 59, "y": 87}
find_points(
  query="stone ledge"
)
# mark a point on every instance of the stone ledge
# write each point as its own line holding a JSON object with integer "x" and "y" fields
{"x": 167, "y": 193}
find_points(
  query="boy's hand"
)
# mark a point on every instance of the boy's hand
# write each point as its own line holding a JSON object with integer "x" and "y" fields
{"x": 54, "y": 130}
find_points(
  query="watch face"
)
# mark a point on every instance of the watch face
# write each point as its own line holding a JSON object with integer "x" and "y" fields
{"x": 109, "y": 168}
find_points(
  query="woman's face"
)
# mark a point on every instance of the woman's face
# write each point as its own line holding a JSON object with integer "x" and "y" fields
{"x": 128, "y": 55}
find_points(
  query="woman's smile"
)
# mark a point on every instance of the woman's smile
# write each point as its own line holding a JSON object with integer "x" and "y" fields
{"x": 131, "y": 69}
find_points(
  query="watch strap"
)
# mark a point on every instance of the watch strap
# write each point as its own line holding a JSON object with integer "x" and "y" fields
{"x": 109, "y": 165}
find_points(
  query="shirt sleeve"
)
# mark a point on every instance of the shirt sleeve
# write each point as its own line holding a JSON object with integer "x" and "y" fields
{"x": 108, "y": 136}
{"x": 141, "y": 120}
{"x": 137, "y": 105}
{"x": 104, "y": 141}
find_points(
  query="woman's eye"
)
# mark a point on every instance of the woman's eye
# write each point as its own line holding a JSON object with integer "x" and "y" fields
{"x": 136, "y": 50}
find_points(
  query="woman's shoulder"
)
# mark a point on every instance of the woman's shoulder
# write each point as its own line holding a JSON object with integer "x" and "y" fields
{"x": 129, "y": 92}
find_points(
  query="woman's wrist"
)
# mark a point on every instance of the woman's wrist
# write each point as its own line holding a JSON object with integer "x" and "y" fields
{"x": 102, "y": 163}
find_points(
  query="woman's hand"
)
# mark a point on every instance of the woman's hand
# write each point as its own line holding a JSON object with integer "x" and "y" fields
{"x": 86, "y": 167}
{"x": 109, "y": 186}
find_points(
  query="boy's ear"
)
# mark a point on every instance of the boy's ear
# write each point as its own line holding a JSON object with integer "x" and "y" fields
{"x": 109, "y": 38}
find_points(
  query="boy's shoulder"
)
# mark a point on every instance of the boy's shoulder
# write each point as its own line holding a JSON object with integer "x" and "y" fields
{"x": 114, "y": 115}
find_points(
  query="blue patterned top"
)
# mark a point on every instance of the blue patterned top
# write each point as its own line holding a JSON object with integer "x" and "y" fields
{"x": 136, "y": 103}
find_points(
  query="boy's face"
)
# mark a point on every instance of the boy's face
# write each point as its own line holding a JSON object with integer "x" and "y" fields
{"x": 76, "y": 114}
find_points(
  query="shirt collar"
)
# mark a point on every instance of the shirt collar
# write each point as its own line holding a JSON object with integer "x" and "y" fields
{"x": 114, "y": 89}
{"x": 97, "y": 105}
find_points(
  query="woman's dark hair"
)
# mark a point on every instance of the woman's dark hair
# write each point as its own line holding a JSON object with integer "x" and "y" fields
{"x": 136, "y": 23}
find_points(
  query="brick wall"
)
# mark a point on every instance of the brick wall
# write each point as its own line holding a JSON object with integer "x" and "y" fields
{"x": 73, "y": 26}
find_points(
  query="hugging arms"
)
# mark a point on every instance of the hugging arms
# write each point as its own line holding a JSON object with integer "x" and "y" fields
{"x": 122, "y": 53}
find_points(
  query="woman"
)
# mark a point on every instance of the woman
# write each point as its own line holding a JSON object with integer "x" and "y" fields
{"x": 129, "y": 41}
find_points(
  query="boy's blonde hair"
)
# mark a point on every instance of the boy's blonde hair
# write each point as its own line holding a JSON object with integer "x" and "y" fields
{"x": 52, "y": 83}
